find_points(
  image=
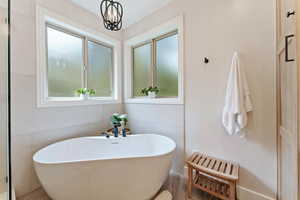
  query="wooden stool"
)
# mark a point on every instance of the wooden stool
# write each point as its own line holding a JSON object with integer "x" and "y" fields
{"x": 214, "y": 176}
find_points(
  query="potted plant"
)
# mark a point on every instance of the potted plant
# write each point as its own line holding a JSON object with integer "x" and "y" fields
{"x": 85, "y": 93}
{"x": 119, "y": 122}
{"x": 151, "y": 92}
{"x": 117, "y": 119}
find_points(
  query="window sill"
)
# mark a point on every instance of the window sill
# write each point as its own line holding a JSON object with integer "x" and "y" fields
{"x": 69, "y": 102}
{"x": 171, "y": 101}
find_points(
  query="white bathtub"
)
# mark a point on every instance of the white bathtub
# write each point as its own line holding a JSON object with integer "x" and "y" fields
{"x": 97, "y": 168}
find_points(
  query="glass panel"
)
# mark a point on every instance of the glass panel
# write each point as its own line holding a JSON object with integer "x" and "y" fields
{"x": 65, "y": 63}
{"x": 100, "y": 59}
{"x": 3, "y": 99}
{"x": 141, "y": 68}
{"x": 167, "y": 66}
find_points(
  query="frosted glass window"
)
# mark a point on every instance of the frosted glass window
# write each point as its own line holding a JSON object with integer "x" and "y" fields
{"x": 100, "y": 65}
{"x": 167, "y": 66}
{"x": 156, "y": 64}
{"x": 141, "y": 68}
{"x": 65, "y": 63}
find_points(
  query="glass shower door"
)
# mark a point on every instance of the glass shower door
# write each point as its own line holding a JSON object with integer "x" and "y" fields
{"x": 4, "y": 93}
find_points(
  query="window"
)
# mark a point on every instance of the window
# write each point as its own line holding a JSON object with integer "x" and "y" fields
{"x": 155, "y": 63}
{"x": 142, "y": 69}
{"x": 71, "y": 56}
{"x": 155, "y": 58}
{"x": 67, "y": 68}
{"x": 65, "y": 63}
{"x": 100, "y": 69}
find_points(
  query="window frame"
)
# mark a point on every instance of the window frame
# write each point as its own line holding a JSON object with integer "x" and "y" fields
{"x": 45, "y": 18}
{"x": 160, "y": 32}
{"x": 153, "y": 67}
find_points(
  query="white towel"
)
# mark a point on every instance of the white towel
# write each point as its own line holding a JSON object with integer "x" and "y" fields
{"x": 237, "y": 101}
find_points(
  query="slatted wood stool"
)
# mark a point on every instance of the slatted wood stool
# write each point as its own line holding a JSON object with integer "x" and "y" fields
{"x": 214, "y": 176}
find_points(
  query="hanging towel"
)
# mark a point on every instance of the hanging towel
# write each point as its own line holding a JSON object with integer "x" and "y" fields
{"x": 237, "y": 101}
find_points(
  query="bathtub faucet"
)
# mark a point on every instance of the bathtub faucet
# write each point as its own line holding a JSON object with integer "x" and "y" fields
{"x": 106, "y": 134}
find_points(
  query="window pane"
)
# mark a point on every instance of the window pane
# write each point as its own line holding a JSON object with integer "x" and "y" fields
{"x": 65, "y": 61}
{"x": 141, "y": 68}
{"x": 167, "y": 66}
{"x": 100, "y": 59}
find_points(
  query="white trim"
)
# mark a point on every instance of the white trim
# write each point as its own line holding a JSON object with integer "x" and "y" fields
{"x": 247, "y": 194}
{"x": 153, "y": 101}
{"x": 42, "y": 16}
{"x": 176, "y": 23}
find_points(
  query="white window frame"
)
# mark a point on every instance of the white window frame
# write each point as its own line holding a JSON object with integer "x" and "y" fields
{"x": 172, "y": 25}
{"x": 44, "y": 17}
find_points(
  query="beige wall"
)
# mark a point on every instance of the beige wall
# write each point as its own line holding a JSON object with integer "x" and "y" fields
{"x": 298, "y": 60}
{"x": 3, "y": 95}
{"x": 34, "y": 128}
{"x": 216, "y": 29}
{"x": 212, "y": 28}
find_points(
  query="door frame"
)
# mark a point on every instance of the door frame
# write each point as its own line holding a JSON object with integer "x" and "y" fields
{"x": 280, "y": 48}
{"x": 298, "y": 66}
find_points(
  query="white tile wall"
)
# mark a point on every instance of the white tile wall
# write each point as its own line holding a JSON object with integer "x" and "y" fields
{"x": 25, "y": 145}
{"x": 165, "y": 120}
{"x": 33, "y": 128}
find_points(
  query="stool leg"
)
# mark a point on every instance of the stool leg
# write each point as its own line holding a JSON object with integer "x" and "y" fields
{"x": 232, "y": 195}
{"x": 190, "y": 182}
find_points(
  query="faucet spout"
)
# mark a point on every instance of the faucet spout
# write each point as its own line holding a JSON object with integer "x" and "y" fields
{"x": 106, "y": 134}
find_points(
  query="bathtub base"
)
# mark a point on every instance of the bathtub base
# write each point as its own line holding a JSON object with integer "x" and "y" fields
{"x": 134, "y": 179}
{"x": 138, "y": 174}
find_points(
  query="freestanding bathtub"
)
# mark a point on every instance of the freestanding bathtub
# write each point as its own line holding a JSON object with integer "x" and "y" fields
{"x": 97, "y": 168}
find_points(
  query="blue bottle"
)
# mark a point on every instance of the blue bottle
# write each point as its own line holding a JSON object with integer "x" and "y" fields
{"x": 116, "y": 131}
{"x": 124, "y": 132}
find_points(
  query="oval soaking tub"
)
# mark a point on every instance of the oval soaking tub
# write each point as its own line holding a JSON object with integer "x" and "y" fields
{"x": 97, "y": 168}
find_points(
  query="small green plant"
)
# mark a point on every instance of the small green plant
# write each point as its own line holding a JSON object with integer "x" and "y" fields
{"x": 117, "y": 118}
{"x": 86, "y": 91}
{"x": 146, "y": 91}
{"x": 92, "y": 92}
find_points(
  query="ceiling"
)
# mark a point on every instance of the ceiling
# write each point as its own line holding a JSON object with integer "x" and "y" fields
{"x": 134, "y": 10}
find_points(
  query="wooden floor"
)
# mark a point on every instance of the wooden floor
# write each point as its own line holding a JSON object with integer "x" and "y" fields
{"x": 198, "y": 195}
{"x": 41, "y": 195}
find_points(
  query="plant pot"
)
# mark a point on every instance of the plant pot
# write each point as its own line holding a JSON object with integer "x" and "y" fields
{"x": 151, "y": 95}
{"x": 84, "y": 96}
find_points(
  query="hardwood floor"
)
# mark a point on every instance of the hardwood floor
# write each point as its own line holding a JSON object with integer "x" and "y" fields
{"x": 38, "y": 194}
{"x": 199, "y": 195}
{"x": 175, "y": 184}
{"x": 41, "y": 195}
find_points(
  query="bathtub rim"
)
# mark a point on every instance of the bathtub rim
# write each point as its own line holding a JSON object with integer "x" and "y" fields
{"x": 173, "y": 144}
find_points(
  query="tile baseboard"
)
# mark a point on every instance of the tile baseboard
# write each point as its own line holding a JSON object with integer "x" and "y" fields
{"x": 247, "y": 194}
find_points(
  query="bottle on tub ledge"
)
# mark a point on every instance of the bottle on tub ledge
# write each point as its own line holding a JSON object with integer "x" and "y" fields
{"x": 123, "y": 130}
{"x": 116, "y": 131}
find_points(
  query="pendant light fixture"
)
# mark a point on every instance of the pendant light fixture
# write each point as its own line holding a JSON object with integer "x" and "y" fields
{"x": 112, "y": 13}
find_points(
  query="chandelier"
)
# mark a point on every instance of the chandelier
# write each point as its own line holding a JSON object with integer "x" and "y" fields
{"x": 112, "y": 13}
